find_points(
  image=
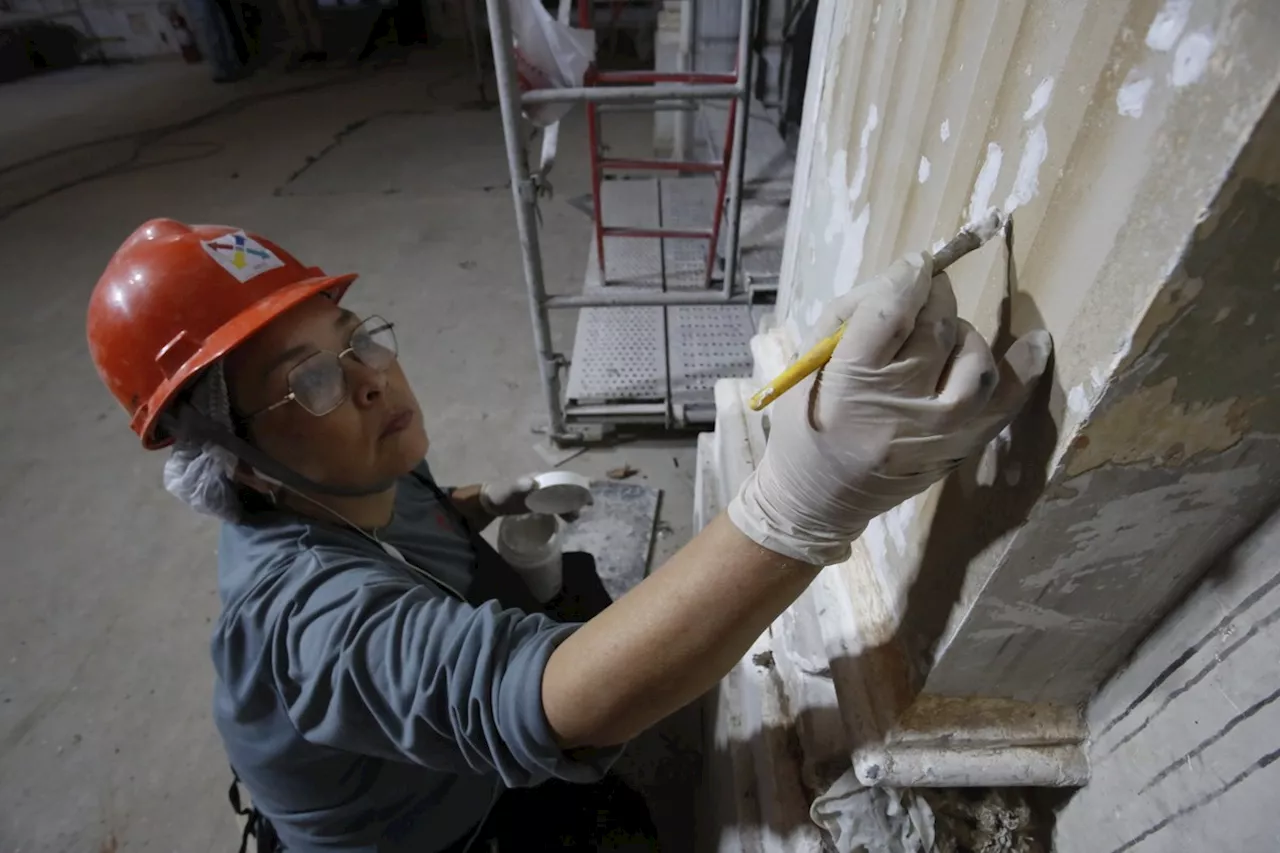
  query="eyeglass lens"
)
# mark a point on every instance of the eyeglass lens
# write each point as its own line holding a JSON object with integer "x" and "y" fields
{"x": 319, "y": 382}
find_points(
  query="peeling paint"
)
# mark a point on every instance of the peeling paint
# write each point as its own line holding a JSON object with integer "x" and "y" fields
{"x": 1024, "y": 614}
{"x": 888, "y": 535}
{"x": 1027, "y": 182}
{"x": 839, "y": 189}
{"x": 1132, "y": 96}
{"x": 813, "y": 312}
{"x": 985, "y": 185}
{"x": 1150, "y": 426}
{"x": 850, "y": 264}
{"x": 1039, "y": 99}
{"x": 860, "y": 174}
{"x": 1191, "y": 58}
{"x": 1168, "y": 25}
{"x": 1123, "y": 532}
{"x": 922, "y": 172}
{"x": 945, "y": 130}
{"x": 1078, "y": 401}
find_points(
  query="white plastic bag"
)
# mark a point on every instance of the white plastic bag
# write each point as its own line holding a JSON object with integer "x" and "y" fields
{"x": 549, "y": 55}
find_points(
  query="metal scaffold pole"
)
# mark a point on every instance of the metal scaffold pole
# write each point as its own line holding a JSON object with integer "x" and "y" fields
{"x": 526, "y": 215}
{"x": 620, "y": 89}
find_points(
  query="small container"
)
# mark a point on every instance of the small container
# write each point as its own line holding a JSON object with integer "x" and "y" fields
{"x": 531, "y": 545}
{"x": 559, "y": 492}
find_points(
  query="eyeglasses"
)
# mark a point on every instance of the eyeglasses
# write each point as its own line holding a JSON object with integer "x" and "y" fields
{"x": 319, "y": 382}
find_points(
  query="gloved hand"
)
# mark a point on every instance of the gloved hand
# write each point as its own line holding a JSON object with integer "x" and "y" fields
{"x": 508, "y": 498}
{"x": 910, "y": 391}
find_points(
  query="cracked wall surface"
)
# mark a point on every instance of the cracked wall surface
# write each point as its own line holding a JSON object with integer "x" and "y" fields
{"x": 1135, "y": 145}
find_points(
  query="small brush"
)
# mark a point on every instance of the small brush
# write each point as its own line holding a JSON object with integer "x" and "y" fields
{"x": 970, "y": 237}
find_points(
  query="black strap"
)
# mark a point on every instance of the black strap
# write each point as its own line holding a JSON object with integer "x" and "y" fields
{"x": 189, "y": 423}
{"x": 256, "y": 824}
{"x": 493, "y": 578}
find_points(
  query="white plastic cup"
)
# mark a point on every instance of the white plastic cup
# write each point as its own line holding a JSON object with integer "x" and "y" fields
{"x": 531, "y": 545}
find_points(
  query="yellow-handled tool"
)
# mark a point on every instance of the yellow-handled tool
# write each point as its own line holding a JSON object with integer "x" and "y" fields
{"x": 970, "y": 237}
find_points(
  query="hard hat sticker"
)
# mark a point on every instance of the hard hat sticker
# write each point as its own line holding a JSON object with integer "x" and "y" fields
{"x": 241, "y": 255}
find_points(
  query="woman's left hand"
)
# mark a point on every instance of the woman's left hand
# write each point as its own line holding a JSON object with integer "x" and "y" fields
{"x": 507, "y": 498}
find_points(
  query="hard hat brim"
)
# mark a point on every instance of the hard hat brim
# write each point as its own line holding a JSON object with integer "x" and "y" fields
{"x": 224, "y": 339}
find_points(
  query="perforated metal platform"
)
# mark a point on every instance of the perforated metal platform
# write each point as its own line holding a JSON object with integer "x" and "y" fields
{"x": 668, "y": 356}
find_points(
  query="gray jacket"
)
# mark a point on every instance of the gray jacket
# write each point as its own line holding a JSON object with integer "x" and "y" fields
{"x": 364, "y": 706}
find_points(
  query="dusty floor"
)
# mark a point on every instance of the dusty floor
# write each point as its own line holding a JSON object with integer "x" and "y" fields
{"x": 105, "y": 738}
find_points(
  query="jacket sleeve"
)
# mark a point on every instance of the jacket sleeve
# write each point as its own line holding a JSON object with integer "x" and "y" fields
{"x": 369, "y": 662}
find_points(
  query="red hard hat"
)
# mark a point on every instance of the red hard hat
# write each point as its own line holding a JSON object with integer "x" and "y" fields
{"x": 175, "y": 298}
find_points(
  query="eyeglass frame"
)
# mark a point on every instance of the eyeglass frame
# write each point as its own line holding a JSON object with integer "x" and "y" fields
{"x": 350, "y": 350}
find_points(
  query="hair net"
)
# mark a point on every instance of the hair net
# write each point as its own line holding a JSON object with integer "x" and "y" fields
{"x": 200, "y": 473}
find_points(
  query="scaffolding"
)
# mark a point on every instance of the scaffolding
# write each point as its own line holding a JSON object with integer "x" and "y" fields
{"x": 680, "y": 90}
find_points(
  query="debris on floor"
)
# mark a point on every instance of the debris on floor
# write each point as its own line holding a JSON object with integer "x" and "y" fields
{"x": 622, "y": 472}
{"x": 617, "y": 529}
{"x": 984, "y": 820}
{"x": 858, "y": 819}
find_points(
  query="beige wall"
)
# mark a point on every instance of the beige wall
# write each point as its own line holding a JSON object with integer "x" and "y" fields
{"x": 1110, "y": 129}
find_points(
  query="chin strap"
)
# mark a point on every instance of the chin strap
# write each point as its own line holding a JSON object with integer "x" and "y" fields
{"x": 188, "y": 422}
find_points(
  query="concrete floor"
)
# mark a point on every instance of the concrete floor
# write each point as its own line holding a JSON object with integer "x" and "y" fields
{"x": 109, "y": 590}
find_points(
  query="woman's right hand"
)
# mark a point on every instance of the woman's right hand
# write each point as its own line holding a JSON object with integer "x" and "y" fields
{"x": 910, "y": 391}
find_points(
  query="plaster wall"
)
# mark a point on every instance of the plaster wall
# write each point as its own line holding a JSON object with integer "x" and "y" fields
{"x": 1134, "y": 143}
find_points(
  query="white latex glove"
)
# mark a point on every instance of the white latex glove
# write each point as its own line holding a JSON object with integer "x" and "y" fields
{"x": 910, "y": 391}
{"x": 508, "y": 498}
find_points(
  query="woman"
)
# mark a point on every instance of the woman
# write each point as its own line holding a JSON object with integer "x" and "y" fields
{"x": 375, "y": 688}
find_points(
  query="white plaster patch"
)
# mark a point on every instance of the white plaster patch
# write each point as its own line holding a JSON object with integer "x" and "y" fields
{"x": 1132, "y": 97}
{"x": 945, "y": 130}
{"x": 1098, "y": 376}
{"x": 891, "y": 528}
{"x": 875, "y": 18}
{"x": 937, "y": 246}
{"x": 1191, "y": 58}
{"x": 1168, "y": 25}
{"x": 1027, "y": 71}
{"x": 922, "y": 172}
{"x": 860, "y": 174}
{"x": 1039, "y": 99}
{"x": 1078, "y": 400}
{"x": 985, "y": 185}
{"x": 1223, "y": 313}
{"x": 1027, "y": 182}
{"x": 839, "y": 188}
{"x": 850, "y": 263}
{"x": 812, "y": 313}
{"x": 1250, "y": 319}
